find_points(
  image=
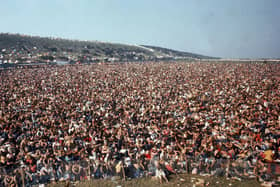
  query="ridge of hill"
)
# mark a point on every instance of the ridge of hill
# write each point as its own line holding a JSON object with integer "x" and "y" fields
{"x": 172, "y": 52}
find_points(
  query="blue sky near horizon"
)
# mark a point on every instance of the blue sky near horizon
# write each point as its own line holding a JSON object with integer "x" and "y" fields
{"x": 224, "y": 28}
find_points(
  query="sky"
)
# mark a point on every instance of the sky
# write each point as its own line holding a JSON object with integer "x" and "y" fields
{"x": 220, "y": 28}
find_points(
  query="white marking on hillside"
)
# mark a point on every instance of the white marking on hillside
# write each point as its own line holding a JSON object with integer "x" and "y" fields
{"x": 149, "y": 49}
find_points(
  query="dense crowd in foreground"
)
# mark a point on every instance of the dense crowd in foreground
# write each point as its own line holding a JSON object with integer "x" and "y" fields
{"x": 132, "y": 120}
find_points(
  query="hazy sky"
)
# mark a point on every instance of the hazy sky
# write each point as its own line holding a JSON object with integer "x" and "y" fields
{"x": 224, "y": 28}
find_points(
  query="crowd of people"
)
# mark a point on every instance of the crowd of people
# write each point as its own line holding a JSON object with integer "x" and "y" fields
{"x": 78, "y": 122}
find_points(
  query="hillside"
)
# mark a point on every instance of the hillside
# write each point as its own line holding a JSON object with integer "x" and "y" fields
{"x": 16, "y": 48}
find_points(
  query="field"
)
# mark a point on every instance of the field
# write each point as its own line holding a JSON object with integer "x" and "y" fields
{"x": 185, "y": 180}
{"x": 140, "y": 119}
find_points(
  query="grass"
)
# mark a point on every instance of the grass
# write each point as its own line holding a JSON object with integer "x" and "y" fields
{"x": 185, "y": 180}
